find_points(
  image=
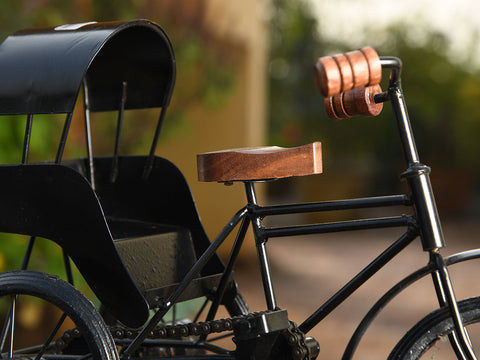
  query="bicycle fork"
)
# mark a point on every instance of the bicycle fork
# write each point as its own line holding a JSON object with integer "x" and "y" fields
{"x": 432, "y": 241}
{"x": 417, "y": 176}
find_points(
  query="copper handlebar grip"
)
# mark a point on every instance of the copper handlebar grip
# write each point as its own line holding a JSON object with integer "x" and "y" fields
{"x": 358, "y": 101}
{"x": 343, "y": 72}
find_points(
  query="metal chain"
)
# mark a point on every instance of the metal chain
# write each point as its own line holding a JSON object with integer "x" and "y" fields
{"x": 68, "y": 336}
{"x": 293, "y": 336}
{"x": 185, "y": 330}
{"x": 178, "y": 330}
{"x": 296, "y": 340}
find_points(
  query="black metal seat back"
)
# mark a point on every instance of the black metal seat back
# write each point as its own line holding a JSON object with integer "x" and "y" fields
{"x": 84, "y": 205}
{"x": 56, "y": 202}
{"x": 155, "y": 225}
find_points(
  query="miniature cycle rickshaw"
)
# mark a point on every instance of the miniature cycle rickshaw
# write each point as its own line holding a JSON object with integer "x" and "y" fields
{"x": 130, "y": 225}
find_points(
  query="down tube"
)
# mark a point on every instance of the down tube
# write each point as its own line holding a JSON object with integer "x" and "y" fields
{"x": 359, "y": 280}
{"x": 196, "y": 268}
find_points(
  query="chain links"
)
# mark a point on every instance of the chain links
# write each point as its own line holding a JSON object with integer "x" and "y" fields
{"x": 68, "y": 336}
{"x": 292, "y": 335}
{"x": 178, "y": 330}
{"x": 296, "y": 340}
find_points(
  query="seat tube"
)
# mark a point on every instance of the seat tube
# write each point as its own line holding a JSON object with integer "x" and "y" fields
{"x": 260, "y": 242}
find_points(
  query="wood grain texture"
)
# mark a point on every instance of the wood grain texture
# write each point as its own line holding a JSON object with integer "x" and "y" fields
{"x": 361, "y": 101}
{"x": 260, "y": 163}
{"x": 374, "y": 65}
{"x": 355, "y": 102}
{"x": 329, "y": 108}
{"x": 343, "y": 72}
{"x": 327, "y": 77}
{"x": 339, "y": 106}
{"x": 359, "y": 64}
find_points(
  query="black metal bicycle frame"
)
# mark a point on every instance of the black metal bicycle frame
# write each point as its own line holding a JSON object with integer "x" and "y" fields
{"x": 424, "y": 223}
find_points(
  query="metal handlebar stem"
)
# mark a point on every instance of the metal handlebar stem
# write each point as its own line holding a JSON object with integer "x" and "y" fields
{"x": 417, "y": 174}
{"x": 418, "y": 178}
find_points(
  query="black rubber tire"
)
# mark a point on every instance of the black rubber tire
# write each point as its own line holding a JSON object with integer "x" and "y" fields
{"x": 70, "y": 301}
{"x": 432, "y": 328}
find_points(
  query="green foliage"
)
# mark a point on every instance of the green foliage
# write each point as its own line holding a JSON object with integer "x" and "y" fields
{"x": 293, "y": 104}
{"x": 441, "y": 94}
{"x": 203, "y": 76}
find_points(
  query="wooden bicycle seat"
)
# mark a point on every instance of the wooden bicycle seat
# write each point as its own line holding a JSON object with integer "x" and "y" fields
{"x": 259, "y": 163}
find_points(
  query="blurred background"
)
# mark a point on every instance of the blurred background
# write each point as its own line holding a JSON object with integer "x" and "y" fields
{"x": 244, "y": 78}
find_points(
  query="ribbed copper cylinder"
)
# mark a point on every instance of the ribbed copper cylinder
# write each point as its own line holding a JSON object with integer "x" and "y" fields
{"x": 355, "y": 102}
{"x": 343, "y": 72}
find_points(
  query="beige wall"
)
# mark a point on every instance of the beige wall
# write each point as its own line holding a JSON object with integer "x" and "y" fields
{"x": 242, "y": 122}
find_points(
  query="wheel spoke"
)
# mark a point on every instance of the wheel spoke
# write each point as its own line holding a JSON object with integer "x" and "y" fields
{"x": 12, "y": 324}
{"x": 51, "y": 336}
{"x": 45, "y": 306}
{"x": 6, "y": 327}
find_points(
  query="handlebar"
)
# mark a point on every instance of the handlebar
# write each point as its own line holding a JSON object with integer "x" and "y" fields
{"x": 349, "y": 82}
{"x": 344, "y": 72}
{"x": 359, "y": 101}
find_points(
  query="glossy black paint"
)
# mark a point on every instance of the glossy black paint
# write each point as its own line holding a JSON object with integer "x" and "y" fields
{"x": 119, "y": 65}
{"x": 56, "y": 202}
{"x": 42, "y": 70}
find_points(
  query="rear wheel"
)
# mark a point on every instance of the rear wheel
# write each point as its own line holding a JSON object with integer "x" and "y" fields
{"x": 428, "y": 339}
{"x": 45, "y": 317}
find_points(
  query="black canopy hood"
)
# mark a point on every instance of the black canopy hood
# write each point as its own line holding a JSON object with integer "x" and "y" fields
{"x": 42, "y": 70}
